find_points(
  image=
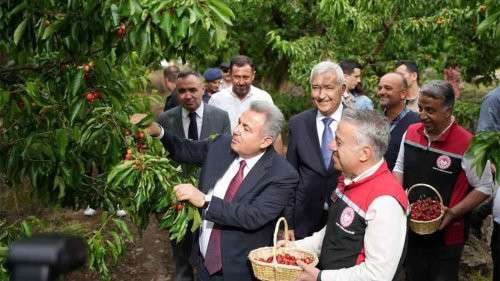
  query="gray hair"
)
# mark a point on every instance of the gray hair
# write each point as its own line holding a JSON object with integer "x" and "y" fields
{"x": 325, "y": 67}
{"x": 274, "y": 117}
{"x": 372, "y": 129}
{"x": 439, "y": 89}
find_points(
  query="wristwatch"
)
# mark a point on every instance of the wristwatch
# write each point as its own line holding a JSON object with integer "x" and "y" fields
{"x": 205, "y": 205}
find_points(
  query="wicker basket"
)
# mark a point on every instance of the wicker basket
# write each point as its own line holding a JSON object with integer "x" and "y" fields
{"x": 275, "y": 271}
{"x": 425, "y": 227}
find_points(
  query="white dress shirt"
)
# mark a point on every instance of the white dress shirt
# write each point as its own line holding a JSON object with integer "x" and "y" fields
{"x": 384, "y": 240}
{"x": 320, "y": 126}
{"x": 234, "y": 106}
{"x": 199, "y": 119}
{"x": 219, "y": 191}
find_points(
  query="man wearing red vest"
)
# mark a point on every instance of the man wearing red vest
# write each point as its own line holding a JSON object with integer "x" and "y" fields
{"x": 365, "y": 235}
{"x": 432, "y": 152}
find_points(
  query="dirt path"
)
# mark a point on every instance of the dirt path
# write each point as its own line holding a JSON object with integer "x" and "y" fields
{"x": 148, "y": 259}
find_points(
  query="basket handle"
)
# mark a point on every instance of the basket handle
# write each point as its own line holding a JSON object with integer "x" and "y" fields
{"x": 275, "y": 237}
{"x": 428, "y": 186}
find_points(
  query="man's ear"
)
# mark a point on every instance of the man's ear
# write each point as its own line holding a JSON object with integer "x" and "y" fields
{"x": 414, "y": 76}
{"x": 267, "y": 141}
{"x": 403, "y": 94}
{"x": 366, "y": 153}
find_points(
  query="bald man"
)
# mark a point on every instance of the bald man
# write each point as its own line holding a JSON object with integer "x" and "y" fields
{"x": 392, "y": 92}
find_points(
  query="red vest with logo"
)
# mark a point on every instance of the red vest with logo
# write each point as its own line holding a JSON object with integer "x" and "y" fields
{"x": 439, "y": 164}
{"x": 343, "y": 244}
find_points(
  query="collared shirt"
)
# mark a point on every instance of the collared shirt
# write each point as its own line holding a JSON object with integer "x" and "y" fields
{"x": 219, "y": 191}
{"x": 348, "y": 99}
{"x": 234, "y": 106}
{"x": 362, "y": 102}
{"x": 368, "y": 172}
{"x": 320, "y": 126}
{"x": 412, "y": 104}
{"x": 186, "y": 121}
{"x": 383, "y": 248}
{"x": 489, "y": 117}
{"x": 482, "y": 183}
{"x": 398, "y": 118}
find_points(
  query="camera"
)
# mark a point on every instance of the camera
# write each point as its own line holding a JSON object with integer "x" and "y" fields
{"x": 46, "y": 257}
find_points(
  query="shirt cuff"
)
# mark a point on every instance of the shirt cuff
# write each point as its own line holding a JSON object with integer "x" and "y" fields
{"x": 319, "y": 276}
{"x": 208, "y": 198}
{"x": 162, "y": 132}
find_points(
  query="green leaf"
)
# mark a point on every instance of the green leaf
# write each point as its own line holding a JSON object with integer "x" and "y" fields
{"x": 76, "y": 111}
{"x": 62, "y": 141}
{"x": 51, "y": 29}
{"x": 146, "y": 121}
{"x": 76, "y": 83}
{"x": 115, "y": 14}
{"x": 26, "y": 228}
{"x": 18, "y": 33}
{"x": 18, "y": 9}
{"x": 221, "y": 10}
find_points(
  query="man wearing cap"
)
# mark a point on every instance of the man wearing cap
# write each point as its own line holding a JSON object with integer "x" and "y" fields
{"x": 213, "y": 79}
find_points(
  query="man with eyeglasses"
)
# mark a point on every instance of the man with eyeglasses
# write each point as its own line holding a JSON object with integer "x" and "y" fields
{"x": 310, "y": 133}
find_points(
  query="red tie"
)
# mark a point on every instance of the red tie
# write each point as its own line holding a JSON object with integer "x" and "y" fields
{"x": 213, "y": 257}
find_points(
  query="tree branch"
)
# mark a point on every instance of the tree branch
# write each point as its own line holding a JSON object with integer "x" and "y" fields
{"x": 370, "y": 58}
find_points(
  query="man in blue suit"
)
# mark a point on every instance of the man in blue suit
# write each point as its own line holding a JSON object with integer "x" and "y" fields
{"x": 310, "y": 132}
{"x": 244, "y": 187}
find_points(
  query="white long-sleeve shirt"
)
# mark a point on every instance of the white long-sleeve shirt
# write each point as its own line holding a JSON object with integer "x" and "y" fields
{"x": 384, "y": 240}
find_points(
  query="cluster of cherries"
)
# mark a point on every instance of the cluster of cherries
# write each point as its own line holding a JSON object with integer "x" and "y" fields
{"x": 139, "y": 141}
{"x": 93, "y": 95}
{"x": 287, "y": 259}
{"x": 425, "y": 209}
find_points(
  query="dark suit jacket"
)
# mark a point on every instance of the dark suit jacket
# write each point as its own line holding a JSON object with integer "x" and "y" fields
{"x": 171, "y": 101}
{"x": 248, "y": 221}
{"x": 391, "y": 155}
{"x": 315, "y": 182}
{"x": 214, "y": 121}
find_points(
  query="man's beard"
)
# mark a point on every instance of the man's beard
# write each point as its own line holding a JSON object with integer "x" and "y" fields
{"x": 241, "y": 91}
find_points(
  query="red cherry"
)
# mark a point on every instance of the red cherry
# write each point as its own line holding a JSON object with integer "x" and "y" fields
{"x": 90, "y": 97}
{"x": 120, "y": 33}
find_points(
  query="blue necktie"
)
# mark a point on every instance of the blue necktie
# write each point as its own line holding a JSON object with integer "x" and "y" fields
{"x": 325, "y": 142}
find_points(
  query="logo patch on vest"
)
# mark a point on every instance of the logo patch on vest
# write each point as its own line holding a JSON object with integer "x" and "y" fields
{"x": 443, "y": 162}
{"x": 347, "y": 217}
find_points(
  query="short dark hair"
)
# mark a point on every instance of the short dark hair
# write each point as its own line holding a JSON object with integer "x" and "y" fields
{"x": 410, "y": 65}
{"x": 439, "y": 89}
{"x": 348, "y": 66}
{"x": 241, "y": 60}
{"x": 170, "y": 73}
{"x": 187, "y": 72}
